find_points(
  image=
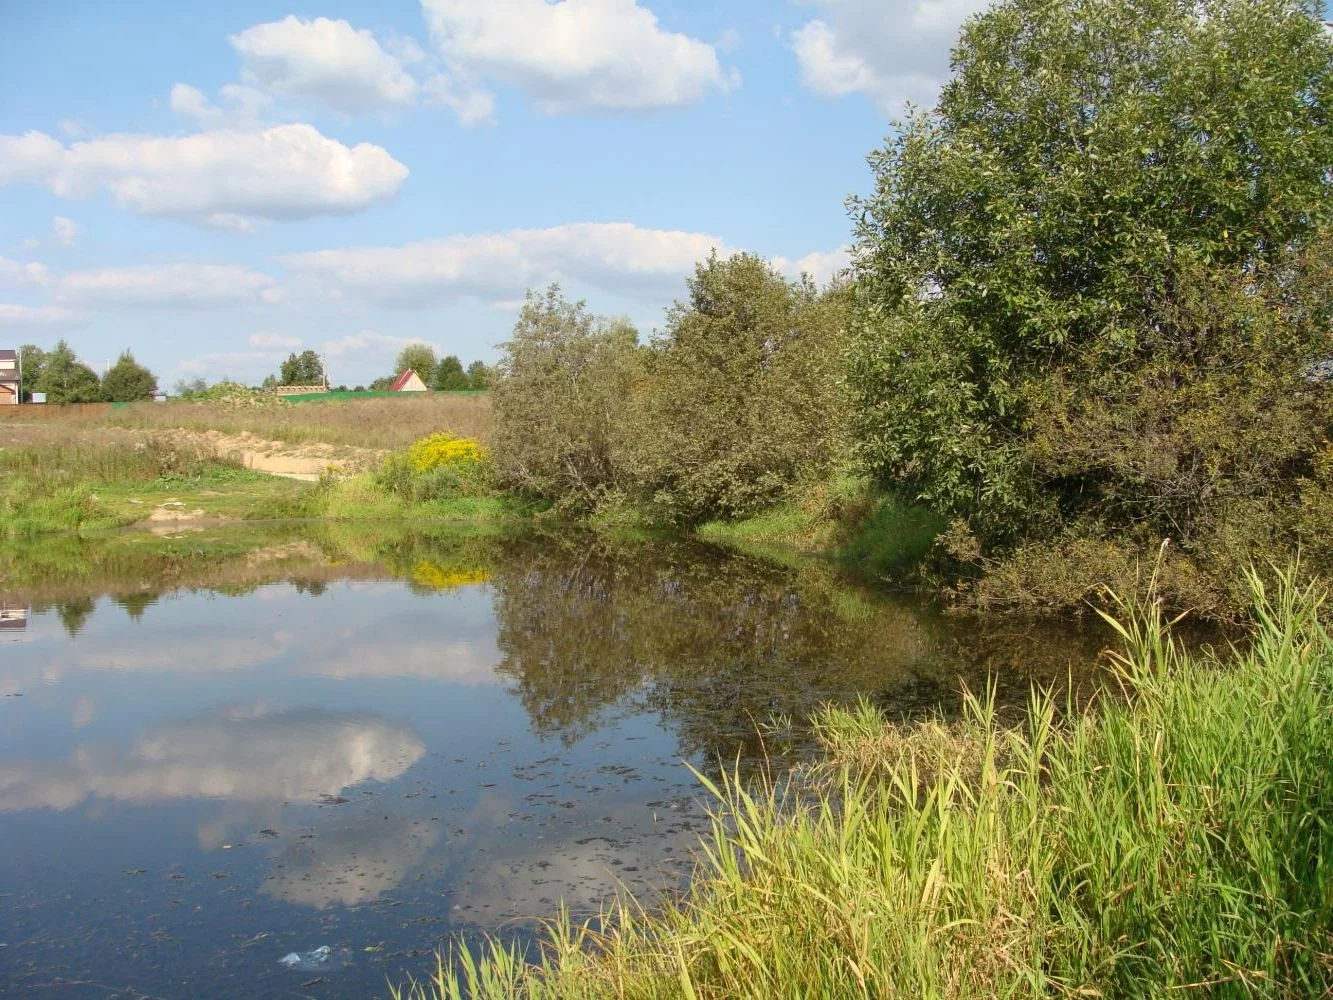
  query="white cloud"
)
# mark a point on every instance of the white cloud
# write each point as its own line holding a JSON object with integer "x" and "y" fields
{"x": 273, "y": 340}
{"x": 472, "y": 105}
{"x": 242, "y": 107}
{"x": 820, "y": 265}
{"x": 575, "y": 55}
{"x": 24, "y": 274}
{"x": 212, "y": 178}
{"x": 65, "y": 231}
{"x": 369, "y": 342}
{"x": 231, "y": 364}
{"x": 326, "y": 62}
{"x": 618, "y": 257}
{"x": 38, "y": 319}
{"x": 172, "y": 286}
{"x": 892, "y": 51}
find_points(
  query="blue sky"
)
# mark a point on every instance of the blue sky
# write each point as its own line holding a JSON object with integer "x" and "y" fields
{"x": 216, "y": 185}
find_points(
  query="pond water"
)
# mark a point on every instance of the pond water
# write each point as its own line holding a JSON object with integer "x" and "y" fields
{"x": 217, "y": 750}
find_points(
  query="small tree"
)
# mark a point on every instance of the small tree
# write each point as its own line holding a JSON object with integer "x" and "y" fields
{"x": 33, "y": 360}
{"x": 66, "y": 379}
{"x": 302, "y": 369}
{"x": 128, "y": 381}
{"x": 742, "y": 397}
{"x": 559, "y": 401}
{"x": 192, "y": 388}
{"x": 478, "y": 376}
{"x": 449, "y": 375}
{"x": 418, "y": 357}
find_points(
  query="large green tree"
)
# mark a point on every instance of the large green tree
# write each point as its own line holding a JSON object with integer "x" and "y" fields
{"x": 420, "y": 358}
{"x": 1093, "y": 275}
{"x": 302, "y": 369}
{"x": 127, "y": 381}
{"x": 66, "y": 379}
{"x": 478, "y": 376}
{"x": 449, "y": 375}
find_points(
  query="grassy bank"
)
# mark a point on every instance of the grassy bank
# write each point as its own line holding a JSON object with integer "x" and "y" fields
{"x": 87, "y": 469}
{"x": 846, "y": 520}
{"x": 392, "y": 422}
{"x": 1173, "y": 840}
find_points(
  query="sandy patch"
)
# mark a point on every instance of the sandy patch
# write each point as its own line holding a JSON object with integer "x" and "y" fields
{"x": 307, "y": 462}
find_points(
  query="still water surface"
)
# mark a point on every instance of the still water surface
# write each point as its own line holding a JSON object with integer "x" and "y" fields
{"x": 208, "y": 765}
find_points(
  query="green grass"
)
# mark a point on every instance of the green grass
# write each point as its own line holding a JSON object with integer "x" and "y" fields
{"x": 1174, "y": 840}
{"x": 846, "y": 520}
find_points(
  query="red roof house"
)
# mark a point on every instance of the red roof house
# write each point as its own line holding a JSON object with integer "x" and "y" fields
{"x": 409, "y": 381}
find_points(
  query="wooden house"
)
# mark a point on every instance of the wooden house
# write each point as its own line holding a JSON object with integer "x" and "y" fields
{"x": 9, "y": 378}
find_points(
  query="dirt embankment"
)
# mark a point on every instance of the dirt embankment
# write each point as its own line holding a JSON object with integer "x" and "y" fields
{"x": 306, "y": 461}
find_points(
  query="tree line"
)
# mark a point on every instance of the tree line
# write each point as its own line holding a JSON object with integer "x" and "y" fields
{"x": 65, "y": 379}
{"x": 443, "y": 375}
{"x": 1091, "y": 308}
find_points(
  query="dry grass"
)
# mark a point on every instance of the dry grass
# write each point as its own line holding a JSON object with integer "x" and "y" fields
{"x": 378, "y": 422}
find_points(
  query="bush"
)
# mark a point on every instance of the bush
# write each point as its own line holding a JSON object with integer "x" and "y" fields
{"x": 742, "y": 397}
{"x": 559, "y": 398}
{"x": 437, "y": 467}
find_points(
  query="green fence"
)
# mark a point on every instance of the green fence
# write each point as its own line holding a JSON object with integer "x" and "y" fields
{"x": 320, "y": 397}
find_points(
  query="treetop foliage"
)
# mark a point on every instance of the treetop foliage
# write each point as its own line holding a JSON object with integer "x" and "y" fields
{"x": 1104, "y": 241}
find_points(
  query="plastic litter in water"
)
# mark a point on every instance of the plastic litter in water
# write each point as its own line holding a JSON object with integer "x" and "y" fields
{"x": 308, "y": 961}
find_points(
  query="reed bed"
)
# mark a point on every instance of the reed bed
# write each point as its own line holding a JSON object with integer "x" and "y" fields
{"x": 376, "y": 422}
{"x": 1175, "y": 840}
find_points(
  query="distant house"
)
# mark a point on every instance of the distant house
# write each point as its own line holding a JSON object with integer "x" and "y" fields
{"x": 9, "y": 378}
{"x": 409, "y": 381}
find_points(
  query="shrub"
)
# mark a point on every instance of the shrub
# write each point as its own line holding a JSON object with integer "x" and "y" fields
{"x": 437, "y": 467}
{"x": 742, "y": 397}
{"x": 559, "y": 397}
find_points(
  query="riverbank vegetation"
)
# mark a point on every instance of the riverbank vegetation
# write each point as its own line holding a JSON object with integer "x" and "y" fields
{"x": 1090, "y": 308}
{"x": 1090, "y": 299}
{"x": 1172, "y": 840}
{"x": 163, "y": 464}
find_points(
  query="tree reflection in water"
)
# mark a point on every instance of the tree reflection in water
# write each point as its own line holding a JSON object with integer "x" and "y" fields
{"x": 721, "y": 644}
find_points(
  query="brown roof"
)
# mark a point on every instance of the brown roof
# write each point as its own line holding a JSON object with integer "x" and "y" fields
{"x": 9, "y": 355}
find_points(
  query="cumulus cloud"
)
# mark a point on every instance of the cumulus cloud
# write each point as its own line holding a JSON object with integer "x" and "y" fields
{"x": 64, "y": 231}
{"x": 241, "y": 107}
{"x": 325, "y": 62}
{"x": 24, "y": 274}
{"x": 222, "y": 178}
{"x": 819, "y": 265}
{"x": 618, "y": 257}
{"x": 38, "y": 319}
{"x": 369, "y": 340}
{"x": 576, "y": 55}
{"x": 893, "y": 51}
{"x": 170, "y": 286}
